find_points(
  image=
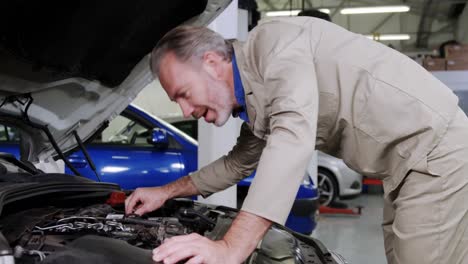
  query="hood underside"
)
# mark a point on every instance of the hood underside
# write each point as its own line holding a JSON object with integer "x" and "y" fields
{"x": 72, "y": 65}
{"x": 46, "y": 41}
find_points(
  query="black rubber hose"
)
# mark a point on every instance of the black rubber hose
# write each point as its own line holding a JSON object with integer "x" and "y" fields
{"x": 140, "y": 222}
{"x": 192, "y": 213}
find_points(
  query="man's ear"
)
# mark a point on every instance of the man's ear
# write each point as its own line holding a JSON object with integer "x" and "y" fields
{"x": 212, "y": 63}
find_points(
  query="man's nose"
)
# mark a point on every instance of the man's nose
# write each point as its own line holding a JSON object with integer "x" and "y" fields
{"x": 186, "y": 108}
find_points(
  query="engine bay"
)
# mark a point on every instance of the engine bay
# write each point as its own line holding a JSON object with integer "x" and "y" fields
{"x": 56, "y": 235}
{"x": 74, "y": 227}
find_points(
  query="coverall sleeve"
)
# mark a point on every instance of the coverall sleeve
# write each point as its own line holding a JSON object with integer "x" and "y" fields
{"x": 290, "y": 82}
{"x": 240, "y": 162}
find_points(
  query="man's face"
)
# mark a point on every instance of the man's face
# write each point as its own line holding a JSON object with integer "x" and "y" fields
{"x": 199, "y": 91}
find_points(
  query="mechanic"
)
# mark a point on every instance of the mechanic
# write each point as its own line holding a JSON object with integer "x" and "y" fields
{"x": 303, "y": 83}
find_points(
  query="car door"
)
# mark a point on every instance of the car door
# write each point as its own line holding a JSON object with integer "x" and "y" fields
{"x": 122, "y": 155}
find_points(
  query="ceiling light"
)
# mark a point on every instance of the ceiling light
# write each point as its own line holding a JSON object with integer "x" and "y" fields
{"x": 379, "y": 37}
{"x": 283, "y": 13}
{"x": 375, "y": 9}
{"x": 291, "y": 12}
{"x": 325, "y": 10}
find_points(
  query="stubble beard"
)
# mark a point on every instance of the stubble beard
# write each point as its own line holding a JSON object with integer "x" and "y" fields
{"x": 224, "y": 105}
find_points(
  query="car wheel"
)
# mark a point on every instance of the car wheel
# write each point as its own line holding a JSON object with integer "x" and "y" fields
{"x": 327, "y": 186}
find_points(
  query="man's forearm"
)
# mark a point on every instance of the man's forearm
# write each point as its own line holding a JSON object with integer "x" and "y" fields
{"x": 183, "y": 187}
{"x": 245, "y": 233}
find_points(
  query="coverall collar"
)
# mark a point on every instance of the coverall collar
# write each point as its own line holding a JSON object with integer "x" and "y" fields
{"x": 239, "y": 92}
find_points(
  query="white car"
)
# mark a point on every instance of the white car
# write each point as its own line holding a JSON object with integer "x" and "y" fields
{"x": 336, "y": 180}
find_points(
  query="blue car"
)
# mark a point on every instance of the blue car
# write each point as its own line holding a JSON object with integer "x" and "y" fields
{"x": 124, "y": 153}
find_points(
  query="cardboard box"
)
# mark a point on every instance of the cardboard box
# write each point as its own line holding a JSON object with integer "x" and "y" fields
{"x": 456, "y": 51}
{"x": 434, "y": 64}
{"x": 457, "y": 64}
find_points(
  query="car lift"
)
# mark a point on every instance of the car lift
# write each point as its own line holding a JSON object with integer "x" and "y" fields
{"x": 341, "y": 209}
{"x": 333, "y": 211}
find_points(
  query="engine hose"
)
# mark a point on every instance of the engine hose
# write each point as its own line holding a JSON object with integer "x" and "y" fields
{"x": 192, "y": 213}
{"x": 140, "y": 221}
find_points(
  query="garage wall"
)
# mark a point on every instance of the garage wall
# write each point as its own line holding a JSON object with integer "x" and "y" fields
{"x": 154, "y": 99}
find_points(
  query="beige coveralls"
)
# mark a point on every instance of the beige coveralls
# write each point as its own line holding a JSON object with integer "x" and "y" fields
{"x": 311, "y": 84}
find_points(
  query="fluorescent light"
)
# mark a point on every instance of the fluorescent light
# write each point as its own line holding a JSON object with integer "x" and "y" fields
{"x": 291, "y": 12}
{"x": 325, "y": 10}
{"x": 375, "y": 9}
{"x": 283, "y": 13}
{"x": 389, "y": 37}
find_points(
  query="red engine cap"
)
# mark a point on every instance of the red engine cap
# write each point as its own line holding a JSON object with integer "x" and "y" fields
{"x": 116, "y": 198}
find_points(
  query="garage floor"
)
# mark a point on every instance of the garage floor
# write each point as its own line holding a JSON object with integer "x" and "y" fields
{"x": 357, "y": 239}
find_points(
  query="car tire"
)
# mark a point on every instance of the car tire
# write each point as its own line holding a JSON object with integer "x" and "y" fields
{"x": 327, "y": 186}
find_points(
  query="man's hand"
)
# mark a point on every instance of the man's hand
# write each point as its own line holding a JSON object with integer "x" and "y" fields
{"x": 144, "y": 200}
{"x": 238, "y": 243}
{"x": 197, "y": 249}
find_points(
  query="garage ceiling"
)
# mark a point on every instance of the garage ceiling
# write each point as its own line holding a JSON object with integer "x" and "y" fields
{"x": 429, "y": 21}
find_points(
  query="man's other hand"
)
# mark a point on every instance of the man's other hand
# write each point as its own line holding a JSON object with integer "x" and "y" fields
{"x": 238, "y": 243}
{"x": 195, "y": 249}
{"x": 144, "y": 200}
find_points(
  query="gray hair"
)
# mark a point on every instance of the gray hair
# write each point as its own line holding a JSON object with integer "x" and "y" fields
{"x": 189, "y": 43}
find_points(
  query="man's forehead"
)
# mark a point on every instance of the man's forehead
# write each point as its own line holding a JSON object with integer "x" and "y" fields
{"x": 171, "y": 75}
{"x": 172, "y": 66}
{"x": 169, "y": 68}
{"x": 168, "y": 62}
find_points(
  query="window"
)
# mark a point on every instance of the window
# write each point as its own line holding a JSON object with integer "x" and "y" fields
{"x": 124, "y": 131}
{"x": 189, "y": 127}
{"x": 9, "y": 134}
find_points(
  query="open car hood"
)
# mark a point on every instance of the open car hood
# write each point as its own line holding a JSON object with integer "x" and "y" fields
{"x": 73, "y": 65}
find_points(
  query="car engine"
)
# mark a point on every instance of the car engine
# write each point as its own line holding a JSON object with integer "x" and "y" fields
{"x": 56, "y": 235}
{"x": 102, "y": 233}
{"x": 103, "y": 220}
